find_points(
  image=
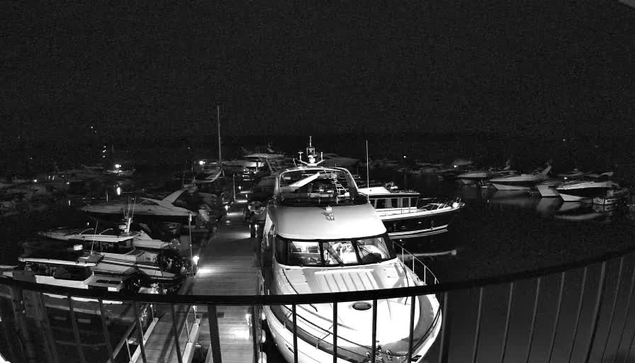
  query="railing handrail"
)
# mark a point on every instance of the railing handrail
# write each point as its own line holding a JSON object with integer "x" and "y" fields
{"x": 244, "y": 300}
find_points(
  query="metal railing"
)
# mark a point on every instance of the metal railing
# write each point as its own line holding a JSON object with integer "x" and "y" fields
{"x": 575, "y": 312}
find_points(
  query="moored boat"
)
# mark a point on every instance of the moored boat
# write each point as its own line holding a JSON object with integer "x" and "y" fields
{"x": 321, "y": 236}
{"x": 406, "y": 215}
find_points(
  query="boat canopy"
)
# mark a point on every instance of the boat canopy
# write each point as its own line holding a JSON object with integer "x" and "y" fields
{"x": 327, "y": 222}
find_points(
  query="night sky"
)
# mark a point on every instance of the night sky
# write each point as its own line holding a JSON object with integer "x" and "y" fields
{"x": 517, "y": 67}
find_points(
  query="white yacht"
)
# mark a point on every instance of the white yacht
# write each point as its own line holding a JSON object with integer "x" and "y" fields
{"x": 73, "y": 268}
{"x": 577, "y": 190}
{"x": 406, "y": 215}
{"x": 480, "y": 176}
{"x": 171, "y": 208}
{"x": 157, "y": 261}
{"x": 322, "y": 236}
{"x": 521, "y": 181}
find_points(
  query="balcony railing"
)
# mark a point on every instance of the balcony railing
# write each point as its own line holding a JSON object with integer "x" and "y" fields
{"x": 576, "y": 312}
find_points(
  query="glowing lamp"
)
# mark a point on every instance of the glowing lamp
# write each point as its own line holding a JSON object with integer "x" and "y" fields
{"x": 195, "y": 259}
{"x": 117, "y": 166}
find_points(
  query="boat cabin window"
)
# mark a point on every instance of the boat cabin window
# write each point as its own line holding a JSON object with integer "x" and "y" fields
{"x": 125, "y": 246}
{"x": 60, "y": 271}
{"x": 72, "y": 273}
{"x": 381, "y": 204}
{"x": 405, "y": 202}
{"x": 333, "y": 253}
{"x": 394, "y": 202}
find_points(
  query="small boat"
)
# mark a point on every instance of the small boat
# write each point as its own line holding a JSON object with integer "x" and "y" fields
{"x": 406, "y": 215}
{"x": 322, "y": 236}
{"x": 478, "y": 177}
{"x": 576, "y": 190}
{"x": 615, "y": 196}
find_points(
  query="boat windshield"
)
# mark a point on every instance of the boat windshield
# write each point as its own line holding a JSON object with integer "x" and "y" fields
{"x": 334, "y": 253}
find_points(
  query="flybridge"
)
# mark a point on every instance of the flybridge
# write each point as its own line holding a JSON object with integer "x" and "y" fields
{"x": 315, "y": 184}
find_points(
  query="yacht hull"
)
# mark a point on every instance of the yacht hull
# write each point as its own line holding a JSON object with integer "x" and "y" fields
{"x": 417, "y": 224}
{"x": 310, "y": 352}
{"x": 524, "y": 187}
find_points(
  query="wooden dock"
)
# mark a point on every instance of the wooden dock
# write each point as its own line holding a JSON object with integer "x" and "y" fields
{"x": 227, "y": 266}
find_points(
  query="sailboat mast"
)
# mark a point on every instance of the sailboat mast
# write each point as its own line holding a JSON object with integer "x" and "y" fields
{"x": 367, "y": 168}
{"x": 220, "y": 159}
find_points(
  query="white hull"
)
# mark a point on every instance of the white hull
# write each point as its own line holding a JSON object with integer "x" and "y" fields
{"x": 573, "y": 198}
{"x": 511, "y": 187}
{"x": 547, "y": 191}
{"x": 308, "y": 353}
{"x": 419, "y": 233}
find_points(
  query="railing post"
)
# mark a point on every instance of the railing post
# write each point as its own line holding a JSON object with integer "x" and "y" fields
{"x": 507, "y": 319}
{"x": 177, "y": 343}
{"x": 533, "y": 320}
{"x": 557, "y": 317}
{"x": 478, "y": 324}
{"x": 577, "y": 319}
{"x": 612, "y": 314}
{"x": 212, "y": 318}
{"x": 139, "y": 332}
{"x": 411, "y": 326}
{"x": 104, "y": 325}
{"x": 628, "y": 309}
{"x": 295, "y": 333}
{"x": 335, "y": 332}
{"x": 444, "y": 349}
{"x": 596, "y": 311}
{"x": 373, "y": 349}
{"x": 78, "y": 342}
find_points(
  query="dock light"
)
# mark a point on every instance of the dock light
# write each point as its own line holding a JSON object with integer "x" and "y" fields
{"x": 195, "y": 259}
{"x": 118, "y": 190}
{"x": 117, "y": 166}
{"x": 455, "y": 205}
{"x": 77, "y": 247}
{"x": 201, "y": 162}
{"x": 35, "y": 180}
{"x": 226, "y": 207}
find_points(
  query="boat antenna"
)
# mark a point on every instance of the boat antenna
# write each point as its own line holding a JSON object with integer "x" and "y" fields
{"x": 367, "y": 168}
{"x": 311, "y": 155}
{"x": 220, "y": 158}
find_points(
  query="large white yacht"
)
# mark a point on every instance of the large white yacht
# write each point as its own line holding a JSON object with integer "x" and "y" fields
{"x": 322, "y": 236}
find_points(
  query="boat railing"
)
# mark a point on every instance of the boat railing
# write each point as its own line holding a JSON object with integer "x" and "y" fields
{"x": 415, "y": 264}
{"x": 578, "y": 311}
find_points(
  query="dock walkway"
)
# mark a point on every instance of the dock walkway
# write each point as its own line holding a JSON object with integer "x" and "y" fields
{"x": 227, "y": 266}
